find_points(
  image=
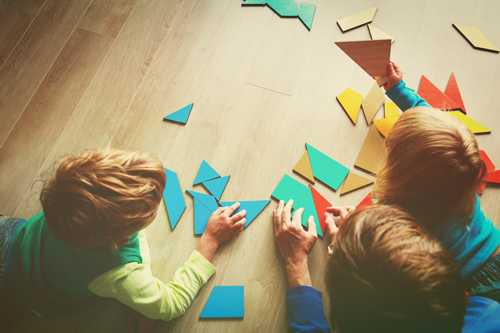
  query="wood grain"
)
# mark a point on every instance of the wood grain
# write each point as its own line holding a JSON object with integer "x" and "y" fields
{"x": 29, "y": 7}
{"x": 13, "y": 24}
{"x": 107, "y": 16}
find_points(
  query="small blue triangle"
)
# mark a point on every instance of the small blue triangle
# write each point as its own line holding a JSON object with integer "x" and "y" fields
{"x": 205, "y": 173}
{"x": 253, "y": 208}
{"x": 216, "y": 186}
{"x": 174, "y": 201}
{"x": 225, "y": 302}
{"x": 205, "y": 199}
{"x": 180, "y": 116}
{"x": 201, "y": 217}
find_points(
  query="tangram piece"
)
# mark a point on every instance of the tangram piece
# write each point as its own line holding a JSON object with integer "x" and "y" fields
{"x": 284, "y": 8}
{"x": 435, "y": 97}
{"x": 225, "y": 302}
{"x": 306, "y": 13}
{"x": 289, "y": 188}
{"x": 201, "y": 216}
{"x": 216, "y": 186}
{"x": 493, "y": 177}
{"x": 372, "y": 102}
{"x": 377, "y": 34}
{"x": 180, "y": 116}
{"x": 391, "y": 109}
{"x": 206, "y": 172}
{"x": 253, "y": 208}
{"x": 381, "y": 80}
{"x": 357, "y": 20}
{"x": 476, "y": 37}
{"x": 354, "y": 182}
{"x": 254, "y": 2}
{"x": 474, "y": 126}
{"x": 303, "y": 167}
{"x": 490, "y": 167}
{"x": 371, "y": 55}
{"x": 174, "y": 200}
{"x": 351, "y": 102}
{"x": 326, "y": 169}
{"x": 453, "y": 92}
{"x": 307, "y": 202}
{"x": 367, "y": 201}
{"x": 372, "y": 152}
{"x": 207, "y": 200}
{"x": 321, "y": 204}
{"x": 384, "y": 125}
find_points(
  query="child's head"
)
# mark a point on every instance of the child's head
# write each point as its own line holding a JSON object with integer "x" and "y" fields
{"x": 101, "y": 197}
{"x": 432, "y": 166}
{"x": 388, "y": 274}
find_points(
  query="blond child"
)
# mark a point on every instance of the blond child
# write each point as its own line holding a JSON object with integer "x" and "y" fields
{"x": 89, "y": 240}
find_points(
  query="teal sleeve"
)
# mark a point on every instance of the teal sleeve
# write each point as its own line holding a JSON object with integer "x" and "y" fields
{"x": 404, "y": 97}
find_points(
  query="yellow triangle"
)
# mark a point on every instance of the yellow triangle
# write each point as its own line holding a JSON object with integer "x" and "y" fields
{"x": 372, "y": 102}
{"x": 379, "y": 34}
{"x": 303, "y": 167}
{"x": 474, "y": 126}
{"x": 353, "y": 182}
{"x": 372, "y": 152}
{"x": 384, "y": 125}
{"x": 351, "y": 102}
{"x": 391, "y": 109}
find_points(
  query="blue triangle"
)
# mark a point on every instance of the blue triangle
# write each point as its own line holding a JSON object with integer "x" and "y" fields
{"x": 201, "y": 217}
{"x": 253, "y": 208}
{"x": 216, "y": 186}
{"x": 174, "y": 201}
{"x": 180, "y": 116}
{"x": 225, "y": 302}
{"x": 205, "y": 199}
{"x": 205, "y": 173}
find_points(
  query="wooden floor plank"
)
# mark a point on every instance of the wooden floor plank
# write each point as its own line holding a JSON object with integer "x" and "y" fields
{"x": 29, "y": 7}
{"x": 13, "y": 24}
{"x": 107, "y": 16}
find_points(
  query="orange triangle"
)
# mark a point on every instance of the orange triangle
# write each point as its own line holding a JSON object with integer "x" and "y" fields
{"x": 303, "y": 167}
{"x": 367, "y": 201}
{"x": 321, "y": 204}
{"x": 493, "y": 177}
{"x": 434, "y": 96}
{"x": 371, "y": 55}
{"x": 490, "y": 167}
{"x": 453, "y": 92}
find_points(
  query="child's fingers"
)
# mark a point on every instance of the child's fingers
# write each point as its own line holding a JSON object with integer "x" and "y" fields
{"x": 236, "y": 217}
{"x": 230, "y": 210}
{"x": 397, "y": 69}
{"x": 390, "y": 69}
{"x": 343, "y": 212}
{"x": 330, "y": 225}
{"x": 334, "y": 210}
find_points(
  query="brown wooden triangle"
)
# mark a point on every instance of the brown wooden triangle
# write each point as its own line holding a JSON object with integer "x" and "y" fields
{"x": 371, "y": 55}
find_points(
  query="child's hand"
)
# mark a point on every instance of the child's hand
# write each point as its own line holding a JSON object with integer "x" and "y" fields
{"x": 341, "y": 211}
{"x": 394, "y": 75}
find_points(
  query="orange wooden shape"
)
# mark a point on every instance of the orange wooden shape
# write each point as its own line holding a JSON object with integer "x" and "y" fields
{"x": 367, "y": 201}
{"x": 453, "y": 92}
{"x": 371, "y": 55}
{"x": 493, "y": 177}
{"x": 435, "y": 97}
{"x": 321, "y": 204}
{"x": 490, "y": 167}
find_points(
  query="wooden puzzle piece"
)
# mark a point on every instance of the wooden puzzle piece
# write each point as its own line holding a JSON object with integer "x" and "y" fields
{"x": 201, "y": 216}
{"x": 225, "y": 302}
{"x": 253, "y": 208}
{"x": 356, "y": 20}
{"x": 326, "y": 169}
{"x": 303, "y": 167}
{"x": 321, "y": 205}
{"x": 474, "y": 126}
{"x": 490, "y": 167}
{"x": 284, "y": 8}
{"x": 354, "y": 182}
{"x": 476, "y": 38}
{"x": 206, "y": 172}
{"x": 207, "y": 200}
{"x": 367, "y": 201}
{"x": 289, "y": 189}
{"x": 381, "y": 80}
{"x": 306, "y": 13}
{"x": 372, "y": 152}
{"x": 216, "y": 186}
{"x": 453, "y": 92}
{"x": 254, "y": 2}
{"x": 174, "y": 200}
{"x": 435, "y": 97}
{"x": 377, "y": 34}
{"x": 180, "y": 116}
{"x": 372, "y": 102}
{"x": 351, "y": 102}
{"x": 493, "y": 177}
{"x": 371, "y": 55}
{"x": 384, "y": 125}
{"x": 391, "y": 109}
{"x": 307, "y": 202}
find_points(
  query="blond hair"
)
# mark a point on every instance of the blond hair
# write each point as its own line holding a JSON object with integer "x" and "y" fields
{"x": 432, "y": 166}
{"x": 101, "y": 197}
{"x": 387, "y": 273}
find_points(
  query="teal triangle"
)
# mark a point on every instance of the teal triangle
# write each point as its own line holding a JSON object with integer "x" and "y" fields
{"x": 306, "y": 13}
{"x": 216, "y": 186}
{"x": 225, "y": 302}
{"x": 207, "y": 200}
{"x": 284, "y": 8}
{"x": 254, "y": 2}
{"x": 326, "y": 169}
{"x": 201, "y": 217}
{"x": 307, "y": 202}
{"x": 205, "y": 173}
{"x": 180, "y": 116}
{"x": 253, "y": 208}
{"x": 289, "y": 188}
{"x": 174, "y": 200}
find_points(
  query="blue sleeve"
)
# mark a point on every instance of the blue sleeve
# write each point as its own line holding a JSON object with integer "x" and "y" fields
{"x": 404, "y": 97}
{"x": 305, "y": 310}
{"x": 482, "y": 316}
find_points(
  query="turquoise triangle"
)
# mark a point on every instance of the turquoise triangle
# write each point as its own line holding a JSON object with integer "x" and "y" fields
{"x": 180, "y": 116}
{"x": 216, "y": 186}
{"x": 306, "y": 13}
{"x": 326, "y": 169}
{"x": 225, "y": 302}
{"x": 174, "y": 201}
{"x": 205, "y": 173}
{"x": 307, "y": 202}
{"x": 201, "y": 217}
{"x": 207, "y": 200}
{"x": 253, "y": 208}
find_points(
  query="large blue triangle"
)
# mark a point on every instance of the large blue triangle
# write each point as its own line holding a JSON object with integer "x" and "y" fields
{"x": 253, "y": 208}
{"x": 207, "y": 200}
{"x": 216, "y": 186}
{"x": 180, "y": 116}
{"x": 174, "y": 201}
{"x": 205, "y": 173}
{"x": 225, "y": 302}
{"x": 201, "y": 217}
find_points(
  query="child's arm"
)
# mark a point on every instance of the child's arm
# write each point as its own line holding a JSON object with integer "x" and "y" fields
{"x": 405, "y": 98}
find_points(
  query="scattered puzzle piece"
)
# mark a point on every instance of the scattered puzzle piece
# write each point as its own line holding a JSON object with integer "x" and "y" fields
{"x": 307, "y": 202}
{"x": 476, "y": 38}
{"x": 216, "y": 186}
{"x": 289, "y": 188}
{"x": 474, "y": 126}
{"x": 303, "y": 167}
{"x": 377, "y": 34}
{"x": 254, "y": 2}
{"x": 384, "y": 125}
{"x": 207, "y": 200}
{"x": 201, "y": 216}
{"x": 391, "y": 109}
{"x": 371, "y": 55}
{"x": 357, "y": 20}
{"x": 174, "y": 200}
{"x": 372, "y": 102}
{"x": 381, "y": 80}
{"x": 225, "y": 302}
{"x": 180, "y": 116}
{"x": 372, "y": 152}
{"x": 493, "y": 177}
{"x": 253, "y": 208}
{"x": 354, "y": 182}
{"x": 490, "y": 167}
{"x": 453, "y": 92}
{"x": 326, "y": 169}
{"x": 435, "y": 97}
{"x": 284, "y": 8}
{"x": 321, "y": 205}
{"x": 206, "y": 172}
{"x": 367, "y": 201}
{"x": 306, "y": 13}
{"x": 351, "y": 102}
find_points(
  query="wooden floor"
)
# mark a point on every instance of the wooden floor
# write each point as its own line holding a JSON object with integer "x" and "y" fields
{"x": 91, "y": 73}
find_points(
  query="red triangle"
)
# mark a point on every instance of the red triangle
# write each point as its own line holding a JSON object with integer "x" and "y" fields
{"x": 493, "y": 177}
{"x": 367, "y": 201}
{"x": 453, "y": 92}
{"x": 434, "y": 96}
{"x": 490, "y": 167}
{"x": 321, "y": 204}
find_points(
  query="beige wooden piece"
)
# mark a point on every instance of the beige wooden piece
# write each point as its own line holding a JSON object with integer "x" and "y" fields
{"x": 372, "y": 153}
{"x": 376, "y": 34}
{"x": 107, "y": 16}
{"x": 476, "y": 37}
{"x": 303, "y": 167}
{"x": 354, "y": 182}
{"x": 372, "y": 102}
{"x": 357, "y": 20}
{"x": 371, "y": 55}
